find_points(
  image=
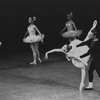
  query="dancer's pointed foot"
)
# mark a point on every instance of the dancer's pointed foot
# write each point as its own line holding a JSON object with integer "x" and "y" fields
{"x": 34, "y": 62}
{"x": 81, "y": 87}
{"x": 39, "y": 60}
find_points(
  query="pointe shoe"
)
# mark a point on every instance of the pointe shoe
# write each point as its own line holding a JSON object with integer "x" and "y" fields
{"x": 39, "y": 60}
{"x": 81, "y": 87}
{"x": 33, "y": 62}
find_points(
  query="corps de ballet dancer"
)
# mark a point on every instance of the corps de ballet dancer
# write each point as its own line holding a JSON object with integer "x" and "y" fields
{"x": 73, "y": 53}
{"x": 72, "y": 31}
{"x": 33, "y": 39}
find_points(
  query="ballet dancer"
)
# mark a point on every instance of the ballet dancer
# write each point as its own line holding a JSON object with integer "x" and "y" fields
{"x": 33, "y": 39}
{"x": 94, "y": 65}
{"x": 73, "y": 54}
{"x": 71, "y": 28}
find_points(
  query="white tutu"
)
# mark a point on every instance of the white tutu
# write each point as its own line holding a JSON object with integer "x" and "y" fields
{"x": 71, "y": 33}
{"x": 76, "y": 52}
{"x": 77, "y": 63}
{"x": 33, "y": 38}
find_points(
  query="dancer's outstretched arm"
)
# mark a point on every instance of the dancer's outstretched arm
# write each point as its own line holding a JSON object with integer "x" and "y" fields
{"x": 51, "y": 51}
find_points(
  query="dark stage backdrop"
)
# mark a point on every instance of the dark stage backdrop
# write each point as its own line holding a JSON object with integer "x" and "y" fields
{"x": 51, "y": 18}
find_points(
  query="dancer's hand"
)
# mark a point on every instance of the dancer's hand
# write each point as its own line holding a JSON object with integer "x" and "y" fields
{"x": 67, "y": 57}
{"x": 42, "y": 38}
{"x": 0, "y": 43}
{"x": 46, "y": 56}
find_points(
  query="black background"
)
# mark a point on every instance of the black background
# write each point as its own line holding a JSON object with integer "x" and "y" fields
{"x": 51, "y": 18}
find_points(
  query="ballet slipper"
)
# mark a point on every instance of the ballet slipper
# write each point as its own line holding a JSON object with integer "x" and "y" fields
{"x": 33, "y": 62}
{"x": 39, "y": 60}
{"x": 81, "y": 86}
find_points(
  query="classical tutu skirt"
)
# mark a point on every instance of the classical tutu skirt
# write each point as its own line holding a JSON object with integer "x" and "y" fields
{"x": 77, "y": 53}
{"x": 71, "y": 33}
{"x": 77, "y": 63}
{"x": 33, "y": 38}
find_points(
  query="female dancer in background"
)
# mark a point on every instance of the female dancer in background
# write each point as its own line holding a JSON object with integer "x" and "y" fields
{"x": 71, "y": 28}
{"x": 33, "y": 39}
{"x": 73, "y": 53}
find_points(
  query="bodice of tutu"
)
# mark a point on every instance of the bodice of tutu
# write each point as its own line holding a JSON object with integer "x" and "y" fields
{"x": 69, "y": 25}
{"x": 31, "y": 30}
{"x": 78, "y": 51}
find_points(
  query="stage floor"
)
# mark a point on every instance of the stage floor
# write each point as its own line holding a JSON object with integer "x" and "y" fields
{"x": 53, "y": 79}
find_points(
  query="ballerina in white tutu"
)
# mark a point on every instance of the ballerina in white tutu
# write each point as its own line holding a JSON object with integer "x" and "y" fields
{"x": 73, "y": 53}
{"x": 71, "y": 28}
{"x": 33, "y": 39}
